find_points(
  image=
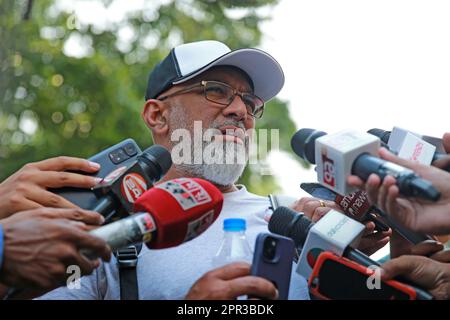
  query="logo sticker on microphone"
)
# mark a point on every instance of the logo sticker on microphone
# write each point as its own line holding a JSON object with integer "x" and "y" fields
{"x": 187, "y": 192}
{"x": 147, "y": 225}
{"x": 355, "y": 204}
{"x": 328, "y": 171}
{"x": 133, "y": 186}
{"x": 197, "y": 227}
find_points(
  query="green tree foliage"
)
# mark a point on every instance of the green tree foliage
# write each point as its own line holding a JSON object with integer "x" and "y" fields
{"x": 54, "y": 102}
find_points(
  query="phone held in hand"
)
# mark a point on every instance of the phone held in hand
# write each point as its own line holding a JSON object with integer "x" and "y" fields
{"x": 338, "y": 278}
{"x": 273, "y": 260}
{"x": 110, "y": 159}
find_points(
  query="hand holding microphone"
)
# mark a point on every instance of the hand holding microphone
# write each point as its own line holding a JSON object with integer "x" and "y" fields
{"x": 416, "y": 214}
{"x": 352, "y": 153}
{"x": 40, "y": 244}
{"x": 315, "y": 209}
{"x": 425, "y": 149}
{"x": 168, "y": 215}
{"x": 334, "y": 232}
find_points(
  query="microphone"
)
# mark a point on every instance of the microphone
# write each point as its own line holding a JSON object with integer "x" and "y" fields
{"x": 396, "y": 141}
{"x": 357, "y": 206}
{"x": 335, "y": 232}
{"x": 182, "y": 208}
{"x": 169, "y": 214}
{"x": 353, "y": 153}
{"x": 119, "y": 190}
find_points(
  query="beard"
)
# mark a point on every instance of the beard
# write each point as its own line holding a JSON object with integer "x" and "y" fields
{"x": 222, "y": 167}
{"x": 223, "y": 162}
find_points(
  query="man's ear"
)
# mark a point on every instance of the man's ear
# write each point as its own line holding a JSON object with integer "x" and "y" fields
{"x": 155, "y": 115}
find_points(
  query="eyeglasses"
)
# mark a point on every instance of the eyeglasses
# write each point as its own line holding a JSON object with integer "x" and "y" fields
{"x": 223, "y": 94}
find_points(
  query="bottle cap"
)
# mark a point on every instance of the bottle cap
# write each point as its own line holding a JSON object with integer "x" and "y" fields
{"x": 234, "y": 225}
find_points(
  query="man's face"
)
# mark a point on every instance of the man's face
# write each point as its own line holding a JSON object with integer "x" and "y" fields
{"x": 230, "y": 122}
{"x": 197, "y": 108}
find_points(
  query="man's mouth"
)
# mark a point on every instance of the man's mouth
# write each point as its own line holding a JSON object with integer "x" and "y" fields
{"x": 231, "y": 133}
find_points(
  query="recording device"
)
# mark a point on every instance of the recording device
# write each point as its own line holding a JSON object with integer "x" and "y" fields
{"x": 338, "y": 278}
{"x": 272, "y": 260}
{"x": 335, "y": 232}
{"x": 167, "y": 215}
{"x": 353, "y": 153}
{"x": 173, "y": 212}
{"x": 120, "y": 189}
{"x": 182, "y": 209}
{"x": 356, "y": 205}
{"x": 410, "y": 145}
{"x": 110, "y": 159}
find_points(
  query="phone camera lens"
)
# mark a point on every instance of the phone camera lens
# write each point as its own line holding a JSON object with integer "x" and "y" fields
{"x": 130, "y": 149}
{"x": 118, "y": 156}
{"x": 270, "y": 246}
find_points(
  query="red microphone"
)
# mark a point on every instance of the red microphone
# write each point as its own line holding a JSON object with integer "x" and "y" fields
{"x": 182, "y": 209}
{"x": 167, "y": 215}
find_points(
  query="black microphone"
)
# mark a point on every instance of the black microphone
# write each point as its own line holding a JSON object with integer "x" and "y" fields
{"x": 352, "y": 153}
{"x": 289, "y": 223}
{"x": 118, "y": 191}
{"x": 385, "y": 135}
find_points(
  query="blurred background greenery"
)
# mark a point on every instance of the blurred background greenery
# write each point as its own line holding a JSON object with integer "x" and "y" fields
{"x": 55, "y": 100}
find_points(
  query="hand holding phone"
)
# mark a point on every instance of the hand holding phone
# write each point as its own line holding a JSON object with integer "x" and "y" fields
{"x": 110, "y": 159}
{"x": 272, "y": 260}
{"x": 338, "y": 278}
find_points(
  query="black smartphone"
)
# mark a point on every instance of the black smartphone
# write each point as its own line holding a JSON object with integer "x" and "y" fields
{"x": 110, "y": 159}
{"x": 273, "y": 259}
{"x": 338, "y": 278}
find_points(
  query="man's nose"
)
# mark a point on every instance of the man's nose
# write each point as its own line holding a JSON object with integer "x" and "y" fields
{"x": 237, "y": 109}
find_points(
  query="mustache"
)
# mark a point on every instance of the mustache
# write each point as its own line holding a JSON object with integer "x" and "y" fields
{"x": 229, "y": 122}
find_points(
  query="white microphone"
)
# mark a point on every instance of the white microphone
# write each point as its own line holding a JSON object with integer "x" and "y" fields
{"x": 351, "y": 152}
{"x": 412, "y": 146}
{"x": 409, "y": 145}
{"x": 335, "y": 155}
{"x": 334, "y": 232}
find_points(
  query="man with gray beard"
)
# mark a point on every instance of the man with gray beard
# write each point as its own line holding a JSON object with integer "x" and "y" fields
{"x": 203, "y": 86}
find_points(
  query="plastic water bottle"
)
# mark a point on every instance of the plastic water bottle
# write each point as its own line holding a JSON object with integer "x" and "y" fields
{"x": 234, "y": 247}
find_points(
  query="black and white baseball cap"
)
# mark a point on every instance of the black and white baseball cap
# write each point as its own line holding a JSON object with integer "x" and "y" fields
{"x": 188, "y": 60}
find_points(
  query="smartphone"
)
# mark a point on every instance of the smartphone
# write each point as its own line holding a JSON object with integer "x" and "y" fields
{"x": 273, "y": 259}
{"x": 118, "y": 155}
{"x": 355, "y": 205}
{"x": 338, "y": 278}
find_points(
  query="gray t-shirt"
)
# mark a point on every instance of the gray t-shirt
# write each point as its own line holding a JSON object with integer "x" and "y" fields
{"x": 170, "y": 273}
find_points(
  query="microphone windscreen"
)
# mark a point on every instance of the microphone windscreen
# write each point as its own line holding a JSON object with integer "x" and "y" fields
{"x": 159, "y": 157}
{"x": 303, "y": 143}
{"x": 182, "y": 209}
{"x": 380, "y": 133}
{"x": 289, "y": 223}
